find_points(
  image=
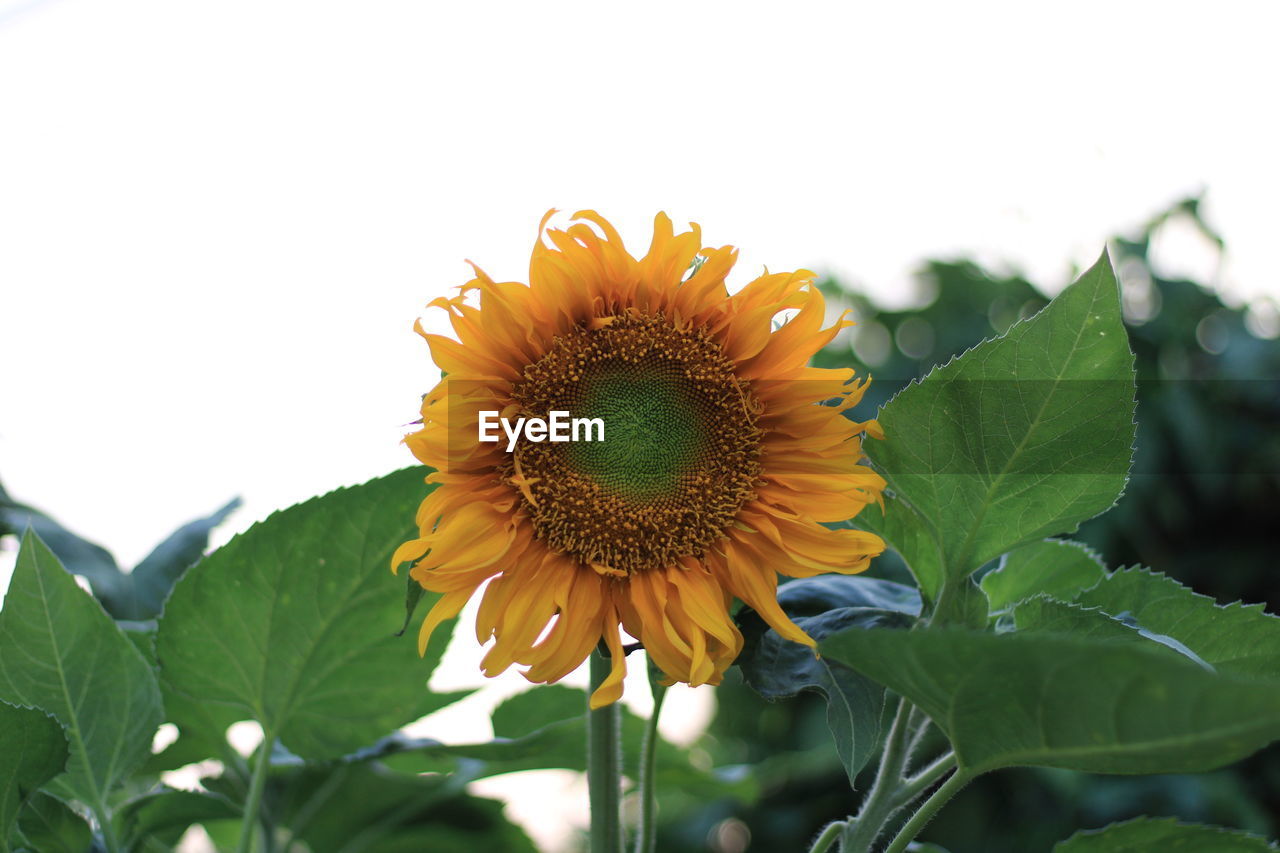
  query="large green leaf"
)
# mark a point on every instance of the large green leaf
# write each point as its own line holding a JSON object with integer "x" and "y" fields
{"x": 1053, "y": 567}
{"x": 63, "y": 653}
{"x": 292, "y": 623}
{"x": 1238, "y": 638}
{"x": 1072, "y": 702}
{"x": 777, "y": 668}
{"x": 33, "y": 750}
{"x": 1163, "y": 835}
{"x": 1020, "y": 438}
{"x": 1060, "y": 617}
{"x": 908, "y": 533}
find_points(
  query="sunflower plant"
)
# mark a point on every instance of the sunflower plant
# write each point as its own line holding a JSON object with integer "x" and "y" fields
{"x": 724, "y": 463}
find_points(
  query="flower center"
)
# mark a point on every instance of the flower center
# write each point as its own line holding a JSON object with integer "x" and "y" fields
{"x": 680, "y": 451}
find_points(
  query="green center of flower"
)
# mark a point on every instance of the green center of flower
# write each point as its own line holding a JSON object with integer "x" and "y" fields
{"x": 653, "y": 428}
{"x": 680, "y": 451}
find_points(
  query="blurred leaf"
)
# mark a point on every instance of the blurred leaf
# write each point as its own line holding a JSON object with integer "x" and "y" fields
{"x": 50, "y": 826}
{"x": 527, "y": 712}
{"x": 135, "y": 595}
{"x": 546, "y": 728}
{"x": 80, "y": 556}
{"x": 78, "y": 665}
{"x": 1238, "y": 638}
{"x": 33, "y": 750}
{"x": 816, "y": 595}
{"x": 1162, "y": 835}
{"x": 365, "y": 807}
{"x": 161, "y": 817}
{"x": 1022, "y": 437}
{"x": 150, "y": 581}
{"x": 1053, "y": 566}
{"x": 1060, "y": 701}
{"x": 777, "y": 668}
{"x": 292, "y": 623}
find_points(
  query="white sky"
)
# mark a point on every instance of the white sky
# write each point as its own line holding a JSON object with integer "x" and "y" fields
{"x": 218, "y": 220}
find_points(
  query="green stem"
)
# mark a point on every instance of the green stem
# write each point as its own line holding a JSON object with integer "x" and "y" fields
{"x": 253, "y": 801}
{"x": 828, "y": 837}
{"x": 109, "y": 839}
{"x": 880, "y": 804}
{"x": 914, "y": 786}
{"x": 927, "y": 810}
{"x": 647, "y": 840}
{"x": 604, "y": 766}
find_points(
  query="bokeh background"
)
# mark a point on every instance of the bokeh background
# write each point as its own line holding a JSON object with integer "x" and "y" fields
{"x": 218, "y": 222}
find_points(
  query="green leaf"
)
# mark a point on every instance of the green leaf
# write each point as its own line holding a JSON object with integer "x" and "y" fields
{"x": 911, "y": 536}
{"x": 1238, "y": 638}
{"x": 777, "y": 668}
{"x": 80, "y": 556}
{"x": 1050, "y": 615}
{"x": 151, "y": 580}
{"x": 1071, "y": 702}
{"x": 161, "y": 817}
{"x": 367, "y": 807}
{"x": 546, "y": 728}
{"x": 1020, "y": 438}
{"x": 137, "y": 595}
{"x": 412, "y": 597}
{"x": 202, "y": 726}
{"x": 293, "y": 622}
{"x": 962, "y": 604}
{"x": 1162, "y": 835}
{"x": 78, "y": 665}
{"x": 33, "y": 750}
{"x": 50, "y": 826}
{"x": 1053, "y": 566}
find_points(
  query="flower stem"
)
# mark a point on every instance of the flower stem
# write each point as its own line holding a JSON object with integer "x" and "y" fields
{"x": 648, "y": 839}
{"x": 927, "y": 810}
{"x": 604, "y": 766}
{"x": 880, "y": 802}
{"x": 108, "y": 831}
{"x": 253, "y": 801}
{"x": 914, "y": 786}
{"x": 828, "y": 837}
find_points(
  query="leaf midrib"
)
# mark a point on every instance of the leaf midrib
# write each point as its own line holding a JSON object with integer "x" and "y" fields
{"x": 74, "y": 721}
{"x": 1031, "y": 756}
{"x": 968, "y": 544}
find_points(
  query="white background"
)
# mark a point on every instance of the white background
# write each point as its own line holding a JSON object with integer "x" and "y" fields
{"x": 218, "y": 220}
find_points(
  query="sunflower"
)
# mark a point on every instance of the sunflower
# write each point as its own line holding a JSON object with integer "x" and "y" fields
{"x": 723, "y": 453}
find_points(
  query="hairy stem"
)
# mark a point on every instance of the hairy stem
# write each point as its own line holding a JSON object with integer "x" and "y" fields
{"x": 880, "y": 803}
{"x": 604, "y": 766}
{"x": 828, "y": 837}
{"x": 253, "y": 802}
{"x": 927, "y": 810}
{"x": 647, "y": 840}
{"x": 914, "y": 786}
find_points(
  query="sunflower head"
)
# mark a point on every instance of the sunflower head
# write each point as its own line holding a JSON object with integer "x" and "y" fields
{"x": 718, "y": 454}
